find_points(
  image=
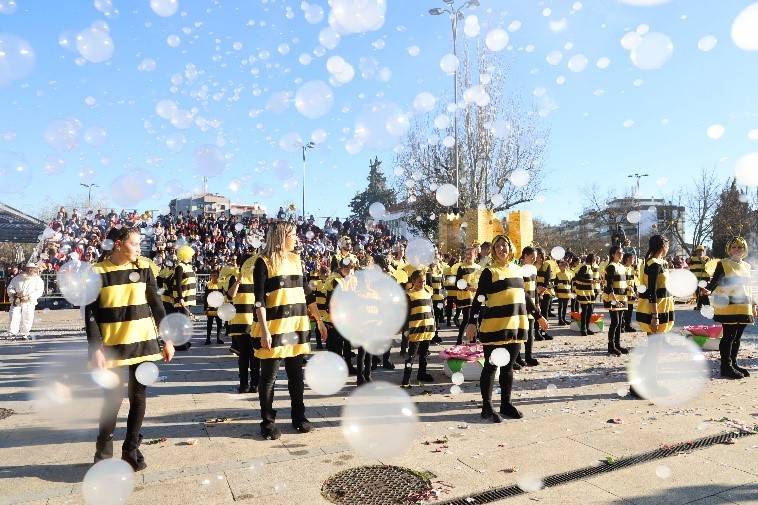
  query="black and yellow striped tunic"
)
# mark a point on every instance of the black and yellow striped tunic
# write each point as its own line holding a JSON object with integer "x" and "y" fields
{"x": 530, "y": 285}
{"x": 597, "y": 279}
{"x": 165, "y": 286}
{"x": 449, "y": 281}
{"x": 228, "y": 273}
{"x": 468, "y": 272}
{"x": 545, "y": 278}
{"x": 282, "y": 291}
{"x": 211, "y": 287}
{"x": 697, "y": 267}
{"x": 631, "y": 283}
{"x": 563, "y": 282}
{"x": 584, "y": 283}
{"x": 421, "y": 325}
{"x": 185, "y": 285}
{"x": 615, "y": 284}
{"x": 655, "y": 295}
{"x": 505, "y": 317}
{"x": 125, "y": 316}
{"x": 436, "y": 284}
{"x": 243, "y": 300}
{"x": 327, "y": 291}
{"x": 338, "y": 260}
{"x": 731, "y": 297}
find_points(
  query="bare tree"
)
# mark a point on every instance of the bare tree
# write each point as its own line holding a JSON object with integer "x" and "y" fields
{"x": 501, "y": 146}
{"x": 700, "y": 201}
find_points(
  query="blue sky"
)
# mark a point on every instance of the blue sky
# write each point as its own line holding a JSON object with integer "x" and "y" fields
{"x": 605, "y": 123}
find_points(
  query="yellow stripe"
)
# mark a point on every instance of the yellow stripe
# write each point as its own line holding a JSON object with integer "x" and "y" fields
{"x": 133, "y": 361}
{"x": 283, "y": 351}
{"x": 128, "y": 332}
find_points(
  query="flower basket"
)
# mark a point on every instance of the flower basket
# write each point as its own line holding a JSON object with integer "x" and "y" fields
{"x": 467, "y": 359}
{"x": 707, "y": 337}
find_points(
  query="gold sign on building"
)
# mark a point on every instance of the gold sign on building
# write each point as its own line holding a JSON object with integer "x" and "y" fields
{"x": 481, "y": 225}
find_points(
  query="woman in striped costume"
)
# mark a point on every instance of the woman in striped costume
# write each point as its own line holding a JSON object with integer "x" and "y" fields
{"x": 121, "y": 328}
{"x": 563, "y": 280}
{"x": 697, "y": 266}
{"x": 242, "y": 294}
{"x": 529, "y": 274}
{"x": 732, "y": 305}
{"x": 545, "y": 278}
{"x": 614, "y": 299}
{"x": 434, "y": 279}
{"x": 504, "y": 324}
{"x": 211, "y": 313}
{"x": 465, "y": 281}
{"x": 420, "y": 325}
{"x": 584, "y": 283}
{"x": 281, "y": 328}
{"x": 630, "y": 263}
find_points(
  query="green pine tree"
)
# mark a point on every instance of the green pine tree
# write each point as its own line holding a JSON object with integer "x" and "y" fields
{"x": 733, "y": 216}
{"x": 377, "y": 190}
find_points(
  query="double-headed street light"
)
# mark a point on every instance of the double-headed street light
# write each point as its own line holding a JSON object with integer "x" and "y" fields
{"x": 309, "y": 145}
{"x": 89, "y": 192}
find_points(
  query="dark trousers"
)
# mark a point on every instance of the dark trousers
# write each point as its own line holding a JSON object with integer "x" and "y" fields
{"x": 209, "y": 327}
{"x": 295, "y": 385}
{"x": 702, "y": 300}
{"x": 462, "y": 328}
{"x": 562, "y": 308}
{"x": 363, "y": 365}
{"x": 614, "y": 329}
{"x": 628, "y": 315}
{"x": 168, "y": 307}
{"x": 137, "y": 402}
{"x": 438, "y": 312}
{"x": 248, "y": 365}
{"x": 529, "y": 344}
{"x": 449, "y": 302}
{"x": 730, "y": 343}
{"x": 339, "y": 345}
{"x": 487, "y": 379}
{"x": 415, "y": 348}
{"x": 584, "y": 321}
{"x": 575, "y": 305}
{"x": 545, "y": 304}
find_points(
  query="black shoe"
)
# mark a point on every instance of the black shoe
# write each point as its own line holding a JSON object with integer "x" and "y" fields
{"x": 436, "y": 340}
{"x": 219, "y": 341}
{"x": 516, "y": 366}
{"x": 270, "y": 432}
{"x": 425, "y": 377}
{"x": 520, "y": 360}
{"x": 741, "y": 370}
{"x": 303, "y": 426}
{"x": 135, "y": 459}
{"x": 492, "y": 416}
{"x": 253, "y": 388}
{"x": 590, "y": 332}
{"x": 388, "y": 365}
{"x": 584, "y": 333}
{"x": 208, "y": 342}
{"x": 547, "y": 337}
{"x": 539, "y": 337}
{"x": 532, "y": 362}
{"x": 103, "y": 448}
{"x": 728, "y": 372}
{"x": 629, "y": 329}
{"x": 508, "y": 410}
{"x": 243, "y": 389}
{"x": 613, "y": 351}
{"x": 623, "y": 350}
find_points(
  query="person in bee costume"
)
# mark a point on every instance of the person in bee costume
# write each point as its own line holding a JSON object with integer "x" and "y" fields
{"x": 732, "y": 304}
{"x": 211, "y": 313}
{"x": 529, "y": 274}
{"x": 165, "y": 285}
{"x": 545, "y": 280}
{"x": 121, "y": 327}
{"x": 697, "y": 263}
{"x": 502, "y": 325}
{"x": 335, "y": 342}
{"x": 465, "y": 280}
{"x": 434, "y": 279}
{"x": 421, "y": 326}
{"x": 281, "y": 329}
{"x": 585, "y": 293}
{"x": 629, "y": 261}
{"x": 563, "y": 280}
{"x": 615, "y": 299}
{"x": 242, "y": 294}
{"x": 343, "y": 254}
{"x": 184, "y": 286}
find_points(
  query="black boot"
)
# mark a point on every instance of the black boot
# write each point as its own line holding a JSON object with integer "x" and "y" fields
{"x": 488, "y": 413}
{"x": 728, "y": 371}
{"x": 423, "y": 375}
{"x": 270, "y": 431}
{"x": 612, "y": 347}
{"x": 617, "y": 345}
{"x": 131, "y": 454}
{"x": 733, "y": 354}
{"x": 388, "y": 365}
{"x": 520, "y": 360}
{"x": 219, "y": 341}
{"x": 302, "y": 425}
{"x": 407, "y": 375}
{"x": 508, "y": 410}
{"x": 207, "y": 341}
{"x": 516, "y": 366}
{"x": 725, "y": 350}
{"x": 103, "y": 448}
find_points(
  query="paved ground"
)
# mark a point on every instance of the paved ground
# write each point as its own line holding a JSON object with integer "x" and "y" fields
{"x": 567, "y": 402}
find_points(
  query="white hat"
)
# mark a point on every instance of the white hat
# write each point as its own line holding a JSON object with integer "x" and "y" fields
{"x": 31, "y": 264}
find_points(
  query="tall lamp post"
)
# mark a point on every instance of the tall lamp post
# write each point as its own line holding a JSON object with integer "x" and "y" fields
{"x": 637, "y": 195}
{"x": 89, "y": 192}
{"x": 456, "y": 15}
{"x": 309, "y": 145}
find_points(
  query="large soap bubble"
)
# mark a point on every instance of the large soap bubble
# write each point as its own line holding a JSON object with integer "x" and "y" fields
{"x": 216, "y": 298}
{"x": 558, "y": 253}
{"x": 653, "y": 51}
{"x": 314, "y": 99}
{"x": 146, "y": 373}
{"x": 226, "y": 312}
{"x": 745, "y": 28}
{"x": 746, "y": 170}
{"x": 379, "y": 420}
{"x": 176, "y": 328}
{"x": 79, "y": 283}
{"x": 377, "y": 210}
{"x": 447, "y": 195}
{"x": 497, "y": 40}
{"x": 420, "y": 252}
{"x": 500, "y": 357}
{"x": 14, "y": 172}
{"x": 668, "y": 370}
{"x": 326, "y": 373}
{"x": 108, "y": 482}
{"x": 95, "y": 46}
{"x": 130, "y": 189}
{"x": 369, "y": 310}
{"x": 62, "y": 134}
{"x": 17, "y": 59}
{"x": 209, "y": 160}
{"x": 681, "y": 283}
{"x": 164, "y": 8}
{"x": 357, "y": 16}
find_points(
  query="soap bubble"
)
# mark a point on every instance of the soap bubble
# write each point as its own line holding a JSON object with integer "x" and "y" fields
{"x": 449, "y": 64}
{"x": 707, "y": 43}
{"x": 668, "y": 370}
{"x": 326, "y": 373}
{"x": 377, "y": 210}
{"x": 357, "y": 16}
{"x": 380, "y": 125}
{"x": 663, "y": 472}
{"x": 131, "y": 188}
{"x": 314, "y": 99}
{"x": 17, "y": 60}
{"x": 62, "y": 134}
{"x": 176, "y": 328}
{"x": 424, "y": 102}
{"x": 379, "y": 420}
{"x": 105, "y": 378}
{"x": 14, "y": 173}
{"x": 173, "y": 40}
{"x": 744, "y": 29}
{"x": 447, "y": 195}
{"x": 554, "y": 57}
{"x": 461, "y": 284}
{"x": 108, "y": 482}
{"x": 420, "y": 252}
{"x": 175, "y": 142}
{"x": 746, "y": 170}
{"x": 314, "y": 13}
{"x": 519, "y": 178}
{"x": 8, "y": 7}
{"x": 226, "y": 312}
{"x": 79, "y": 283}
{"x": 528, "y": 270}
{"x": 369, "y": 310}
{"x": 215, "y": 299}
{"x": 715, "y": 131}
{"x": 164, "y": 8}
{"x": 134, "y": 277}
{"x": 457, "y": 378}
{"x": 95, "y": 135}
{"x": 209, "y": 160}
{"x": 530, "y": 483}
{"x": 497, "y": 40}
{"x": 633, "y": 216}
{"x": 707, "y": 312}
{"x": 166, "y": 109}
{"x": 558, "y": 253}
{"x": 653, "y": 51}
{"x": 146, "y": 373}
{"x": 500, "y": 357}
{"x": 455, "y": 390}
{"x": 95, "y": 46}
{"x": 681, "y": 282}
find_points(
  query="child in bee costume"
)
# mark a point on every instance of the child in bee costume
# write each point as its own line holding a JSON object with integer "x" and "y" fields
{"x": 434, "y": 279}
{"x": 420, "y": 325}
{"x": 545, "y": 280}
{"x": 466, "y": 278}
{"x": 630, "y": 263}
{"x": 335, "y": 342}
{"x": 165, "y": 285}
{"x": 563, "y": 280}
{"x": 615, "y": 299}
{"x": 184, "y": 286}
{"x": 697, "y": 266}
{"x": 732, "y": 304}
{"x": 585, "y": 293}
{"x": 343, "y": 254}
{"x": 211, "y": 313}
{"x": 242, "y": 294}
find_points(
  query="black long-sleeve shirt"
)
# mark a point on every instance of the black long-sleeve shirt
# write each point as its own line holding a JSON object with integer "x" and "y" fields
{"x": 485, "y": 287}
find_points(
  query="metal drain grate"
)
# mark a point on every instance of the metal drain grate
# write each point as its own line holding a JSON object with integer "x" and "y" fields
{"x": 5, "y": 413}
{"x": 378, "y": 484}
{"x": 496, "y": 494}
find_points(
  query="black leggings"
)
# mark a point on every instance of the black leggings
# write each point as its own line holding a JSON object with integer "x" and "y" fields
{"x": 449, "y": 302}
{"x": 614, "y": 329}
{"x": 584, "y": 323}
{"x": 529, "y": 344}
{"x": 438, "y": 311}
{"x": 295, "y": 384}
{"x": 487, "y": 378}
{"x": 628, "y": 315}
{"x": 562, "y": 308}
{"x": 339, "y": 345}
{"x": 545, "y": 304}
{"x": 137, "y": 404}
{"x": 246, "y": 361}
{"x": 209, "y": 327}
{"x": 363, "y": 364}
{"x": 575, "y": 305}
{"x": 462, "y": 328}
{"x": 730, "y": 341}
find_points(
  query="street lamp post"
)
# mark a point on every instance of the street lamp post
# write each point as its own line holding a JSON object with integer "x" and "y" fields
{"x": 455, "y": 16}
{"x": 637, "y": 195}
{"x": 309, "y": 145}
{"x": 89, "y": 192}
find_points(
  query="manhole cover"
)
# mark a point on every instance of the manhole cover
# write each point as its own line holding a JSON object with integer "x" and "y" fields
{"x": 5, "y": 413}
{"x": 376, "y": 484}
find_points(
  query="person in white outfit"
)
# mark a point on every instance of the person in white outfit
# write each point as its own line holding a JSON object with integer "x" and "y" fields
{"x": 23, "y": 291}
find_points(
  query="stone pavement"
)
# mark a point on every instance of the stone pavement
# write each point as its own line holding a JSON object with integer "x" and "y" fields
{"x": 212, "y": 452}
